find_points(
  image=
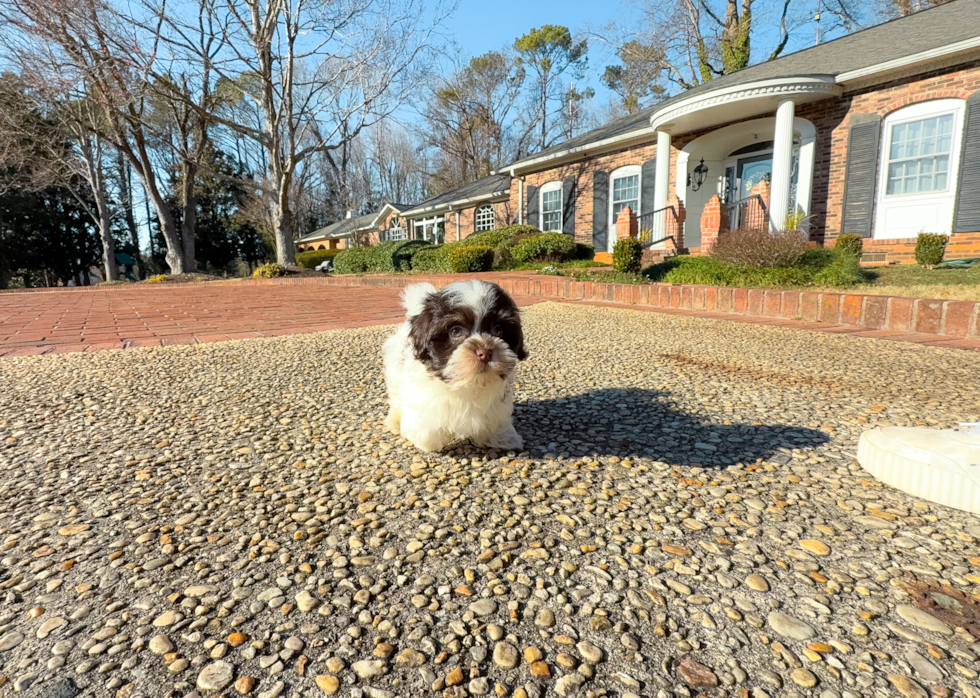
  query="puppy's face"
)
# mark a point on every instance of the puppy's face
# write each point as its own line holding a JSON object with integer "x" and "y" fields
{"x": 469, "y": 331}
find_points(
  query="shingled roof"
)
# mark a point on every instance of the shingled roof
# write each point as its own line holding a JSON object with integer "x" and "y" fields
{"x": 341, "y": 229}
{"x": 943, "y": 26}
{"x": 485, "y": 188}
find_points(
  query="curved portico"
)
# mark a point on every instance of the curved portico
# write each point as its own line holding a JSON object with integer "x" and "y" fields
{"x": 779, "y": 148}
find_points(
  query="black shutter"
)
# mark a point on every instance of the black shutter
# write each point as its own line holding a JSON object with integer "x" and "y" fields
{"x": 967, "y": 216}
{"x": 648, "y": 178}
{"x": 600, "y": 211}
{"x": 532, "y": 206}
{"x": 861, "y": 176}
{"x": 568, "y": 197}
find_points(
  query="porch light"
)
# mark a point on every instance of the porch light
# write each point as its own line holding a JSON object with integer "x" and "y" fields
{"x": 700, "y": 174}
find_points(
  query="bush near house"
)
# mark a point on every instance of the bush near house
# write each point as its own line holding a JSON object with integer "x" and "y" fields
{"x": 930, "y": 248}
{"x": 815, "y": 267}
{"x": 627, "y": 255}
{"x": 760, "y": 248}
{"x": 311, "y": 259}
{"x": 546, "y": 247}
{"x": 584, "y": 251}
{"x": 269, "y": 271}
{"x": 470, "y": 259}
{"x": 431, "y": 259}
{"x": 352, "y": 261}
{"x": 850, "y": 243}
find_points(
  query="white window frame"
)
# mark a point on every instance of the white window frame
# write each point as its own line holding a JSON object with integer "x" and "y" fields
{"x": 930, "y": 212}
{"x": 619, "y": 173}
{"x": 482, "y": 210}
{"x": 422, "y": 224}
{"x": 395, "y": 233}
{"x": 545, "y": 189}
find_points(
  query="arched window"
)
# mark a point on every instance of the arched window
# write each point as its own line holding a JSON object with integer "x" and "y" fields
{"x": 484, "y": 217}
{"x": 919, "y": 162}
{"x": 551, "y": 203}
{"x": 624, "y": 190}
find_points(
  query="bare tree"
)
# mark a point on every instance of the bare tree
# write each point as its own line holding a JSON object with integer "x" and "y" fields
{"x": 318, "y": 72}
{"x": 59, "y": 145}
{"x": 87, "y": 51}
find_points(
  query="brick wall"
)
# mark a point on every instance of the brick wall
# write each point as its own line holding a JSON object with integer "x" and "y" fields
{"x": 833, "y": 119}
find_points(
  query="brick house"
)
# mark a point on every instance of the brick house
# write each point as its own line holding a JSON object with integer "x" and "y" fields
{"x": 481, "y": 205}
{"x": 387, "y": 224}
{"x": 875, "y": 133}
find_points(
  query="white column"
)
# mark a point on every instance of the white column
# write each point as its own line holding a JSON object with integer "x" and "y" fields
{"x": 782, "y": 164}
{"x": 661, "y": 186}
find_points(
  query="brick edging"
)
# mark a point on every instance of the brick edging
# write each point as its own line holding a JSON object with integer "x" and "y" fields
{"x": 945, "y": 318}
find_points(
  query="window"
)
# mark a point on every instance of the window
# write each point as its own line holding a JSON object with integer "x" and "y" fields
{"x": 918, "y": 164}
{"x": 551, "y": 207}
{"x": 397, "y": 233}
{"x": 625, "y": 190}
{"x": 919, "y": 155}
{"x": 484, "y": 218}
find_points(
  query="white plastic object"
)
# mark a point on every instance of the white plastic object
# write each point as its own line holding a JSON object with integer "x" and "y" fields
{"x": 941, "y": 465}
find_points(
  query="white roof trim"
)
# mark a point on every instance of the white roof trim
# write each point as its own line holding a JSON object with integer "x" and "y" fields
{"x": 921, "y": 57}
{"x": 801, "y": 85}
{"x": 381, "y": 213}
{"x": 448, "y": 206}
{"x": 528, "y": 165}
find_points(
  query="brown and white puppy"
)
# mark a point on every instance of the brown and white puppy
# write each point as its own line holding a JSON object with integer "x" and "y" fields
{"x": 449, "y": 367}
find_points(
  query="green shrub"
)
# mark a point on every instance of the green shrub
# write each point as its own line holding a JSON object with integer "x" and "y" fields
{"x": 269, "y": 271}
{"x": 311, "y": 259}
{"x": 546, "y": 247}
{"x": 627, "y": 255}
{"x": 474, "y": 258}
{"x": 930, "y": 249}
{"x": 496, "y": 237}
{"x": 352, "y": 261}
{"x": 760, "y": 248}
{"x": 815, "y": 267}
{"x": 850, "y": 243}
{"x": 402, "y": 252}
{"x": 431, "y": 259}
{"x": 584, "y": 251}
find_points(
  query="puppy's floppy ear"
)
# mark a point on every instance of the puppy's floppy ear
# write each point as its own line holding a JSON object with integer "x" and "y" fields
{"x": 414, "y": 297}
{"x": 518, "y": 348}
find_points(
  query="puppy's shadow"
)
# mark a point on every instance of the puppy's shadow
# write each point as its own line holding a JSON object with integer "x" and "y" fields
{"x": 626, "y": 421}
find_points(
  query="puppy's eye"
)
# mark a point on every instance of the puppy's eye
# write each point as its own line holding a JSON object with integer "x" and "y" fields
{"x": 496, "y": 331}
{"x": 458, "y": 333}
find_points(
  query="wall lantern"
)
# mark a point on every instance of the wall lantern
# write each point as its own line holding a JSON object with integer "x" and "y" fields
{"x": 700, "y": 174}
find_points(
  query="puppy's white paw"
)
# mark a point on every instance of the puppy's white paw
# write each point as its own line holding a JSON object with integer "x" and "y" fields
{"x": 393, "y": 421}
{"x": 507, "y": 439}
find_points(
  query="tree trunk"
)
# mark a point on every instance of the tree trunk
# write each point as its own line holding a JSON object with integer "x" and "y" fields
{"x": 282, "y": 231}
{"x": 105, "y": 227}
{"x": 189, "y": 218}
{"x": 126, "y": 189}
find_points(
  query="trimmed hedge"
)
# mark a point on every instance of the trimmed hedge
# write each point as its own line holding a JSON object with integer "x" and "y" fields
{"x": 497, "y": 236}
{"x": 311, "y": 259}
{"x": 546, "y": 247}
{"x": 584, "y": 251}
{"x": 930, "y": 248}
{"x": 850, "y": 243}
{"x": 352, "y": 261}
{"x": 470, "y": 259}
{"x": 431, "y": 259}
{"x": 627, "y": 255}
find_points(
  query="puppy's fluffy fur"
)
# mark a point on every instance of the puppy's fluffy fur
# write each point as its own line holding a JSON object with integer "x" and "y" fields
{"x": 449, "y": 367}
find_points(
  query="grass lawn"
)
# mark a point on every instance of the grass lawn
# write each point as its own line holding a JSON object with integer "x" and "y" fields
{"x": 914, "y": 281}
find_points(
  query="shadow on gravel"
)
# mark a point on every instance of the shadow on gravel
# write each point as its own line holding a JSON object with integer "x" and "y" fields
{"x": 646, "y": 423}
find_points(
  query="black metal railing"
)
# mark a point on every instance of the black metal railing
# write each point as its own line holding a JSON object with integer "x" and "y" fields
{"x": 749, "y": 212}
{"x": 657, "y": 226}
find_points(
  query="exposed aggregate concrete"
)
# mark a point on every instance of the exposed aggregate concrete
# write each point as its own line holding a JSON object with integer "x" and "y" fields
{"x": 688, "y": 519}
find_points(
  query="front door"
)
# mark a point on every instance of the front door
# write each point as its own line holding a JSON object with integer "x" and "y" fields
{"x": 751, "y": 171}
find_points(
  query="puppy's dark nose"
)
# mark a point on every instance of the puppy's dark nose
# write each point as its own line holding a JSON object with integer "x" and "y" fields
{"x": 484, "y": 355}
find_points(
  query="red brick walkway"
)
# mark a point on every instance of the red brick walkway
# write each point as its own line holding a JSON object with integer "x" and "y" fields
{"x": 115, "y": 318}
